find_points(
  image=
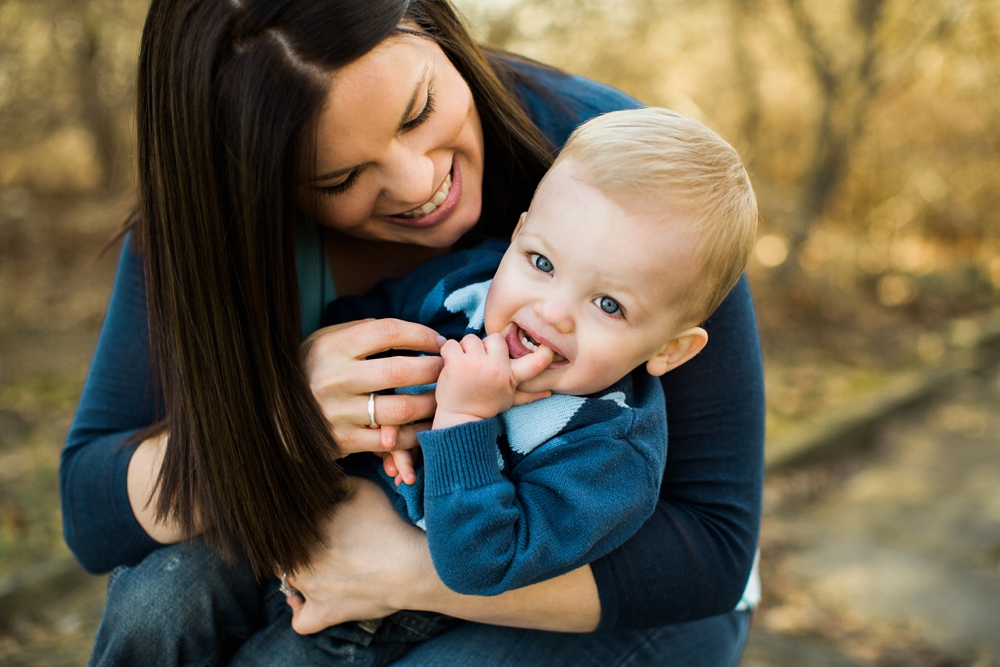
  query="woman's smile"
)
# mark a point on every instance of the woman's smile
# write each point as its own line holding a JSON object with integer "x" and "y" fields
{"x": 438, "y": 208}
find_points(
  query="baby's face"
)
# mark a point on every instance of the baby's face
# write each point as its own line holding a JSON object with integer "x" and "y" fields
{"x": 595, "y": 282}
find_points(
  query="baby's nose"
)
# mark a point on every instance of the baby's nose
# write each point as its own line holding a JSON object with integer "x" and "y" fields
{"x": 556, "y": 314}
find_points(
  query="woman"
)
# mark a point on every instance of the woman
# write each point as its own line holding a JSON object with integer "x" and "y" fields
{"x": 256, "y": 118}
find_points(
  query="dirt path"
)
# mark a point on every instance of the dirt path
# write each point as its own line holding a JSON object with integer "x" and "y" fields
{"x": 894, "y": 556}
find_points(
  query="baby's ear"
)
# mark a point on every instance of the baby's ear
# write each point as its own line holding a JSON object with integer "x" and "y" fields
{"x": 678, "y": 350}
{"x": 517, "y": 230}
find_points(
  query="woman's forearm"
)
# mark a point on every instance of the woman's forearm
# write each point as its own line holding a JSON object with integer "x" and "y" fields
{"x": 143, "y": 470}
{"x": 373, "y": 563}
{"x": 569, "y": 603}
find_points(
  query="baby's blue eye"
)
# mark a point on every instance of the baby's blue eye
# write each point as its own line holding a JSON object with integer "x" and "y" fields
{"x": 609, "y": 305}
{"x": 541, "y": 263}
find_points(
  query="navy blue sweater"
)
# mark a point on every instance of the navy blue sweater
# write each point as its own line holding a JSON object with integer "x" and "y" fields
{"x": 538, "y": 490}
{"x": 689, "y": 560}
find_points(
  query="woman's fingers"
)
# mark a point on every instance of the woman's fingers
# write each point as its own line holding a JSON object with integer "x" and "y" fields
{"x": 389, "y": 435}
{"x": 343, "y": 380}
{"x": 397, "y": 409}
{"x": 367, "y": 337}
{"x": 360, "y": 439}
{"x": 392, "y": 372}
{"x": 326, "y": 332}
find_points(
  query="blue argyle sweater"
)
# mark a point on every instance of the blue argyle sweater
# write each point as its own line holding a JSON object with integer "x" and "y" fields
{"x": 540, "y": 489}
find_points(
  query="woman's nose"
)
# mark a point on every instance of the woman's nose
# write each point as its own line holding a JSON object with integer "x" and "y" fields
{"x": 556, "y": 314}
{"x": 410, "y": 177}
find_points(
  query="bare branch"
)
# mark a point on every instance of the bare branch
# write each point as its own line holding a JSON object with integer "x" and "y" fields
{"x": 821, "y": 60}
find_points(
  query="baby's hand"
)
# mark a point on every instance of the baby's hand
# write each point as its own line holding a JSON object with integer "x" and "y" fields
{"x": 479, "y": 379}
{"x": 399, "y": 465}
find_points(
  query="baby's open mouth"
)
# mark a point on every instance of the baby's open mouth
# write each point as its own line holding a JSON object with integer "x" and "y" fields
{"x": 530, "y": 343}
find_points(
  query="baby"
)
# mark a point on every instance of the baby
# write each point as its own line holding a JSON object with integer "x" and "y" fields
{"x": 635, "y": 235}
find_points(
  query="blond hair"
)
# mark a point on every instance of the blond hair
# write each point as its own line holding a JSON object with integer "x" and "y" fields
{"x": 659, "y": 158}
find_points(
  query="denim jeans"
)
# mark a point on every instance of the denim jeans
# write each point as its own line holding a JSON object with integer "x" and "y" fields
{"x": 183, "y": 605}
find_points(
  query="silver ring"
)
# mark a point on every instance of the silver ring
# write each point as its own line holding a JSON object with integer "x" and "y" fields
{"x": 285, "y": 588}
{"x": 371, "y": 411}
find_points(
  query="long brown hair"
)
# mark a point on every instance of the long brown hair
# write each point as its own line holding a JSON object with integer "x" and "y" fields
{"x": 229, "y": 93}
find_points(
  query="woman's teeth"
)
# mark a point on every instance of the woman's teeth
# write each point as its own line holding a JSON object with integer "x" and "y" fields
{"x": 432, "y": 205}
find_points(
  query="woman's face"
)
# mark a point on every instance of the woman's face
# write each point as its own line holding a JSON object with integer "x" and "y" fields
{"x": 399, "y": 148}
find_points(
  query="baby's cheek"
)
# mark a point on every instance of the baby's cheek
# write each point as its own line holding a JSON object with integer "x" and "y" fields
{"x": 607, "y": 368}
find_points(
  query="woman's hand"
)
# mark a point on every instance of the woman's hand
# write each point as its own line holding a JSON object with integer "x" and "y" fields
{"x": 370, "y": 557}
{"x": 374, "y": 563}
{"x": 342, "y": 379}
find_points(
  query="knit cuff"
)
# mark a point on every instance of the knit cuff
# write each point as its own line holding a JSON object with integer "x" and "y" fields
{"x": 460, "y": 457}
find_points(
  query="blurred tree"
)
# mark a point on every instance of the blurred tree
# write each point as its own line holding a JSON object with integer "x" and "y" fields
{"x": 747, "y": 75}
{"x": 846, "y": 93}
{"x": 66, "y": 90}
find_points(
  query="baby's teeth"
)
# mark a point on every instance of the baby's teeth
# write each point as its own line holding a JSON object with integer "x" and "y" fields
{"x": 528, "y": 344}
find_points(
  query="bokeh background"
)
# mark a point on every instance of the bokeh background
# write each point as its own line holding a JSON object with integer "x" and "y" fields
{"x": 870, "y": 129}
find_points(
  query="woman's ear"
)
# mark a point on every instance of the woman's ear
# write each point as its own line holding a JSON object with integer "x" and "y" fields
{"x": 517, "y": 230}
{"x": 677, "y": 351}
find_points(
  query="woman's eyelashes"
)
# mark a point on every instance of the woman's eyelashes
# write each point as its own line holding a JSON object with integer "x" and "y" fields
{"x": 424, "y": 114}
{"x": 337, "y": 188}
{"x": 421, "y": 118}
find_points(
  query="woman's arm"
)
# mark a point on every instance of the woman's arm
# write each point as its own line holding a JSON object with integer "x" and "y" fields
{"x": 143, "y": 470}
{"x": 118, "y": 399}
{"x": 569, "y": 603}
{"x": 374, "y": 563}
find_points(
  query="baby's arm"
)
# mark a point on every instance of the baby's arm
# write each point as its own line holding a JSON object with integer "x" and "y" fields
{"x": 570, "y": 501}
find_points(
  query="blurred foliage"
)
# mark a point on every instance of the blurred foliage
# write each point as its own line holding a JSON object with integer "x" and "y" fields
{"x": 66, "y": 81}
